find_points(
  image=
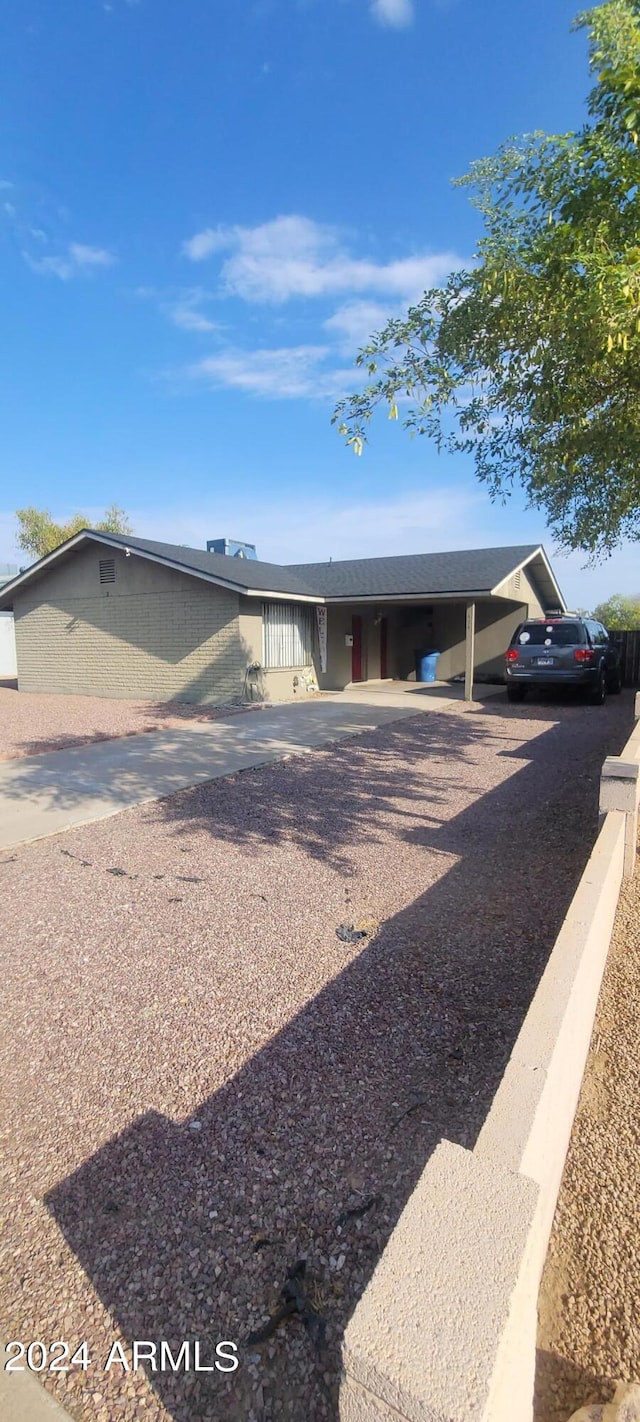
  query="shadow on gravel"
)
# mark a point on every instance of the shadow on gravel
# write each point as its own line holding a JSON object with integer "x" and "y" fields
{"x": 160, "y": 717}
{"x": 188, "y": 1230}
{"x": 561, "y": 1388}
{"x": 330, "y": 798}
{"x": 297, "y": 802}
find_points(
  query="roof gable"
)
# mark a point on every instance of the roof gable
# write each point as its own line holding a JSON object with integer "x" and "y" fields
{"x": 244, "y": 576}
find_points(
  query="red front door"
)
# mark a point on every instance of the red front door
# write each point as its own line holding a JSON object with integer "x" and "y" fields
{"x": 356, "y": 649}
{"x": 383, "y": 648}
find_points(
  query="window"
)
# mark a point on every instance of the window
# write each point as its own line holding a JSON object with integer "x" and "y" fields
{"x": 107, "y": 570}
{"x": 549, "y": 634}
{"x": 597, "y": 634}
{"x": 287, "y": 635}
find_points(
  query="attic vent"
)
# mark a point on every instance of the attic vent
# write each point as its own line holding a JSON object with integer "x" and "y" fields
{"x": 517, "y": 581}
{"x": 107, "y": 570}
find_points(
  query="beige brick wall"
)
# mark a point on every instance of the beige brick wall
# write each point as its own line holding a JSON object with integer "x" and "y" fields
{"x": 153, "y": 633}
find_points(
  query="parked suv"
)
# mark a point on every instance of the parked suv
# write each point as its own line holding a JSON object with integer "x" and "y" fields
{"x": 562, "y": 649}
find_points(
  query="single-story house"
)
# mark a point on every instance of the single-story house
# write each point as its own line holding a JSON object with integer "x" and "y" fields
{"x": 109, "y": 615}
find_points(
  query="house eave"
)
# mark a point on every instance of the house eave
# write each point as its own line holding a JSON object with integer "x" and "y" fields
{"x": 468, "y": 595}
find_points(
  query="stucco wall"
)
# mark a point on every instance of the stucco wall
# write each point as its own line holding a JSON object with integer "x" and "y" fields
{"x": 520, "y": 588}
{"x": 495, "y": 624}
{"x": 339, "y": 626}
{"x": 441, "y": 627}
{"x": 152, "y": 633}
{"x": 276, "y": 684}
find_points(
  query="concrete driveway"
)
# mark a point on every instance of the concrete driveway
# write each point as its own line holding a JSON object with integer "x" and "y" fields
{"x": 44, "y": 794}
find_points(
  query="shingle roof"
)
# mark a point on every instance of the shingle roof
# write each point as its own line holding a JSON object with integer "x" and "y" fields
{"x": 466, "y": 571}
{"x": 475, "y": 570}
{"x": 243, "y": 572}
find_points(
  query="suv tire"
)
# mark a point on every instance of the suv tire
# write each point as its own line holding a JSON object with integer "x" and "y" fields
{"x": 516, "y": 693}
{"x": 614, "y": 685}
{"x": 598, "y": 695}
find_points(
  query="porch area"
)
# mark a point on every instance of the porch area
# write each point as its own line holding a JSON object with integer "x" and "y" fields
{"x": 377, "y": 646}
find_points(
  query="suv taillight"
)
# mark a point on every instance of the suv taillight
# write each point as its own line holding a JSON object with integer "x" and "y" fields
{"x": 511, "y": 655}
{"x": 582, "y": 654}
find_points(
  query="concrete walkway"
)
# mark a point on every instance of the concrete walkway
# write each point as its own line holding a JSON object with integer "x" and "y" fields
{"x": 22, "y": 1399}
{"x": 44, "y": 794}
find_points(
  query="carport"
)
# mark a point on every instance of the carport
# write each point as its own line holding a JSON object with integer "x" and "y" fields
{"x": 464, "y": 605}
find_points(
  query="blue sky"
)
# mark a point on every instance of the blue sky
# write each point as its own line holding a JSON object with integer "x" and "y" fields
{"x": 206, "y": 206}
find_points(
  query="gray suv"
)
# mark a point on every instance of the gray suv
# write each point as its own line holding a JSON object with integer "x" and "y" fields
{"x": 562, "y": 649}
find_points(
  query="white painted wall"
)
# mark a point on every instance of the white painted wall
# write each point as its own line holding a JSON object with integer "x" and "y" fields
{"x": 8, "y": 663}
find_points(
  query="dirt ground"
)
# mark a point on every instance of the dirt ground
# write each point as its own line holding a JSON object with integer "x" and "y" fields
{"x": 589, "y": 1334}
{"x": 209, "y": 1080}
{"x": 31, "y": 722}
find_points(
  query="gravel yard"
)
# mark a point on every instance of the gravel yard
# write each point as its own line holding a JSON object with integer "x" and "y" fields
{"x": 204, "y": 1084}
{"x": 31, "y": 722}
{"x": 589, "y": 1334}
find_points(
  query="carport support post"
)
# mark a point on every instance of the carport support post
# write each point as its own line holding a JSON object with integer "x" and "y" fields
{"x": 469, "y": 650}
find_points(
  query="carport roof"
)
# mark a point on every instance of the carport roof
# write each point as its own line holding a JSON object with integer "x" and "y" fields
{"x": 470, "y": 570}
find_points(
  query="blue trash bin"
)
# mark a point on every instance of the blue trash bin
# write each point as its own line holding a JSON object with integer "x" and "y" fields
{"x": 426, "y": 664}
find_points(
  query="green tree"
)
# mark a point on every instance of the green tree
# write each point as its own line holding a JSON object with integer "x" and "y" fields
{"x": 530, "y": 360}
{"x": 621, "y": 614}
{"x": 38, "y": 533}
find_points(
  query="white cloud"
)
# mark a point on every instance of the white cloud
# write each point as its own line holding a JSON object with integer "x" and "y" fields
{"x": 49, "y": 266}
{"x": 394, "y": 14}
{"x": 205, "y": 243}
{"x": 291, "y": 372}
{"x": 355, "y": 322}
{"x": 292, "y": 256}
{"x": 182, "y": 307}
{"x": 190, "y": 319}
{"x": 83, "y": 256}
{"x": 186, "y": 311}
{"x": 77, "y": 258}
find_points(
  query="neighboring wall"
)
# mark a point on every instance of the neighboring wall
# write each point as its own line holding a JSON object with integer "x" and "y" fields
{"x": 153, "y": 633}
{"x": 8, "y": 665}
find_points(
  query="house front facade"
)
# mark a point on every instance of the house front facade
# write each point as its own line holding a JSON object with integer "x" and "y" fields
{"x": 108, "y": 615}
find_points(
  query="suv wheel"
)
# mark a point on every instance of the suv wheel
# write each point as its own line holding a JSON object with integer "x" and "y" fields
{"x": 599, "y": 693}
{"x": 615, "y": 683}
{"x": 516, "y": 693}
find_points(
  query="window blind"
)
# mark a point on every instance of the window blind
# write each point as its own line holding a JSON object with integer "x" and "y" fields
{"x": 287, "y": 635}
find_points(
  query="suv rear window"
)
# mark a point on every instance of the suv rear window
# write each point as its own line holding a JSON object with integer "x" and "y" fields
{"x": 549, "y": 634}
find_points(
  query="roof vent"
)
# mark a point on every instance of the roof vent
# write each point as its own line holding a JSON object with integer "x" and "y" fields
{"x": 231, "y": 548}
{"x": 107, "y": 570}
